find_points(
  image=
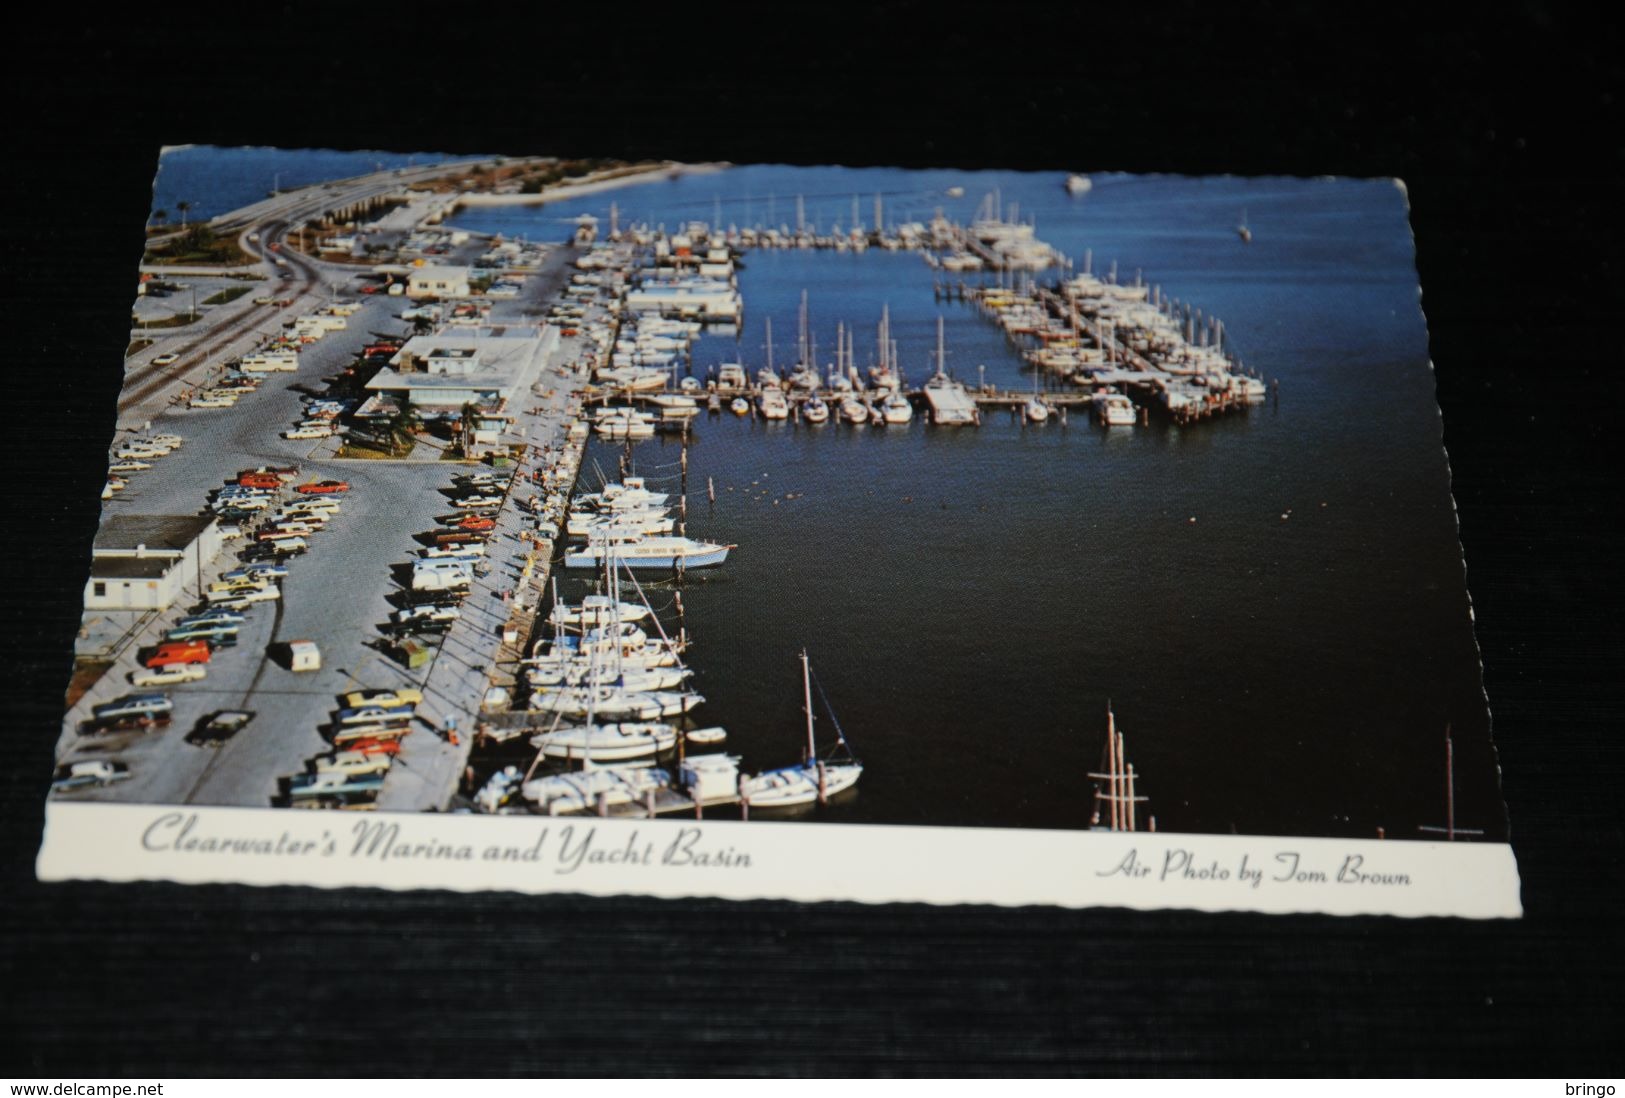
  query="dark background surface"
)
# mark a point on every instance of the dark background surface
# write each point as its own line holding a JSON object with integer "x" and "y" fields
{"x": 1505, "y": 130}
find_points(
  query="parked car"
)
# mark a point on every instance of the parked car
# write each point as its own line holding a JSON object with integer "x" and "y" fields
{"x": 221, "y": 632}
{"x": 219, "y": 727}
{"x": 269, "y": 551}
{"x": 244, "y": 596}
{"x": 323, "y": 487}
{"x": 190, "y": 651}
{"x": 389, "y": 699}
{"x": 259, "y": 480}
{"x": 88, "y": 774}
{"x": 169, "y": 674}
{"x": 214, "y": 613}
{"x": 297, "y": 433}
{"x": 165, "y": 359}
{"x": 132, "y": 705}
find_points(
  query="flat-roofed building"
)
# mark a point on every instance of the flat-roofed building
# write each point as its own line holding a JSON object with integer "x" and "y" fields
{"x": 144, "y": 562}
{"x": 486, "y": 367}
{"x": 435, "y": 281}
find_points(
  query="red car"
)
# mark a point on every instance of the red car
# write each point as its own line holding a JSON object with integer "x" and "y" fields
{"x": 476, "y": 522}
{"x": 323, "y": 487}
{"x": 192, "y": 651}
{"x": 259, "y": 480}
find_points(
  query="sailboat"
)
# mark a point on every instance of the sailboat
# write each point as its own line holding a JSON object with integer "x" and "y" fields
{"x": 815, "y": 410}
{"x": 815, "y": 779}
{"x": 1036, "y": 410}
{"x": 1243, "y": 231}
{"x": 1079, "y": 184}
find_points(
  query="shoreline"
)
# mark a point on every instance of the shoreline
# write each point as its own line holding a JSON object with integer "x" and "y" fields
{"x": 589, "y": 187}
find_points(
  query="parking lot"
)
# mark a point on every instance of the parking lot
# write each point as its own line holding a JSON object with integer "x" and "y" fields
{"x": 336, "y": 595}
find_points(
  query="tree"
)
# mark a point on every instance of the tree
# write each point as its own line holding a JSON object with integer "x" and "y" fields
{"x": 401, "y": 428}
{"x": 160, "y": 217}
{"x": 469, "y": 421}
{"x": 183, "y": 206}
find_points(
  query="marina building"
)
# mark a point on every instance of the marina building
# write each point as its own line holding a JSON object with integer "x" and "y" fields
{"x": 439, "y": 375}
{"x": 438, "y": 282}
{"x": 143, "y": 562}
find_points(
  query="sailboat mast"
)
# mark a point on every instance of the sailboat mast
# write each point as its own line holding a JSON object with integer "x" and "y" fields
{"x": 885, "y": 334}
{"x": 801, "y": 347}
{"x": 942, "y": 361}
{"x": 1113, "y": 765}
{"x": 806, "y": 687}
{"x": 769, "y": 342}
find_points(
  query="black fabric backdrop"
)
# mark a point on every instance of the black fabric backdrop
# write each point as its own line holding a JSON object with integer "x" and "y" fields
{"x": 1506, "y": 130}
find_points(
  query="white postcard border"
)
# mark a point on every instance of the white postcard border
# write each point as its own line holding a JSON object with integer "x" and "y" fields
{"x": 760, "y": 860}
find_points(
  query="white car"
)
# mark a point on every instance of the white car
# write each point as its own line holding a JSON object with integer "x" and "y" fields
{"x": 243, "y": 596}
{"x": 172, "y": 441}
{"x": 308, "y": 432}
{"x": 211, "y": 400}
{"x": 129, "y": 466}
{"x": 429, "y": 612}
{"x": 169, "y": 673}
{"x": 228, "y": 532}
{"x": 131, "y": 450}
{"x": 166, "y": 358}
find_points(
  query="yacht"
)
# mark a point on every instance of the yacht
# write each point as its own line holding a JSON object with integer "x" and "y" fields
{"x": 896, "y": 408}
{"x": 815, "y": 411}
{"x": 606, "y": 742}
{"x": 649, "y": 552}
{"x": 854, "y": 411}
{"x": 773, "y": 404}
{"x": 1079, "y": 184}
{"x": 1114, "y": 409}
{"x": 586, "y": 790}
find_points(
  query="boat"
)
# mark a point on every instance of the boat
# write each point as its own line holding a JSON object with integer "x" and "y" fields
{"x": 815, "y": 411}
{"x": 588, "y": 790}
{"x": 773, "y": 404}
{"x": 596, "y": 610}
{"x": 1036, "y": 410}
{"x": 627, "y": 424}
{"x": 606, "y": 742}
{"x": 650, "y": 552}
{"x": 620, "y": 525}
{"x": 1243, "y": 231}
{"x": 896, "y": 408}
{"x": 613, "y": 701}
{"x": 854, "y": 411}
{"x": 739, "y": 406}
{"x": 955, "y": 192}
{"x": 815, "y": 779}
{"x": 1114, "y": 409}
{"x": 1079, "y": 184}
{"x": 950, "y": 404}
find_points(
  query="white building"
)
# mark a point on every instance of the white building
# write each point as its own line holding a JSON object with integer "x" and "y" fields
{"x": 438, "y": 282}
{"x": 486, "y": 367}
{"x": 143, "y": 562}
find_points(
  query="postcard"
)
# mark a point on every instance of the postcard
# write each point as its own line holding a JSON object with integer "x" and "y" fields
{"x": 761, "y": 531}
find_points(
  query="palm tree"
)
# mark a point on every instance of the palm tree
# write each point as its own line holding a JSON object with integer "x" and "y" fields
{"x": 183, "y": 207}
{"x": 160, "y": 218}
{"x": 401, "y": 428}
{"x": 469, "y": 421}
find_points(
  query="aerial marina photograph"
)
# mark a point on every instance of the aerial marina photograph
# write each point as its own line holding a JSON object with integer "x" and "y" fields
{"x": 535, "y": 486}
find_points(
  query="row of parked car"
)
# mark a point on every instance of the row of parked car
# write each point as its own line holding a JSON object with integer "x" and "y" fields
{"x": 366, "y": 734}
{"x": 136, "y": 455}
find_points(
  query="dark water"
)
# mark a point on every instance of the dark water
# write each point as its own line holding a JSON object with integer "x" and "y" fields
{"x": 972, "y": 598}
{"x": 215, "y": 181}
